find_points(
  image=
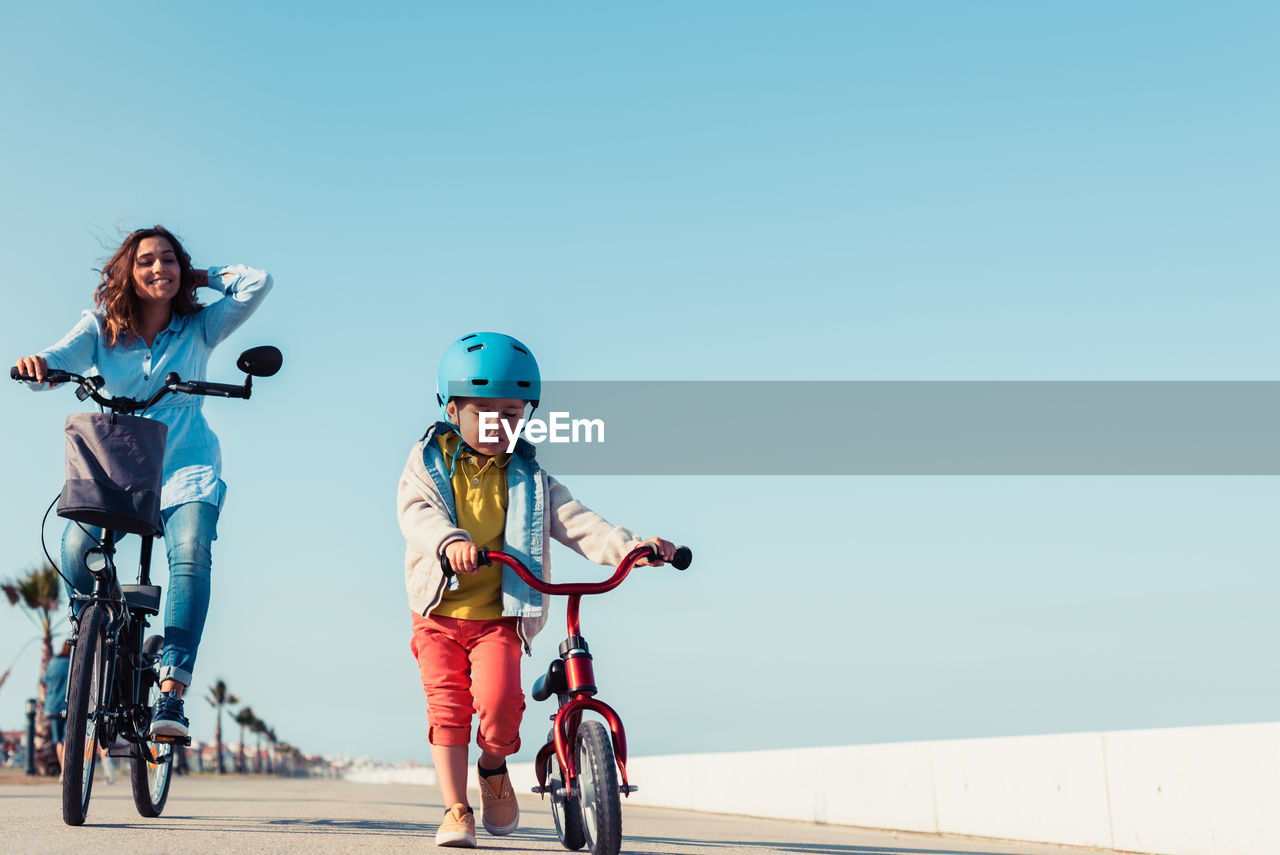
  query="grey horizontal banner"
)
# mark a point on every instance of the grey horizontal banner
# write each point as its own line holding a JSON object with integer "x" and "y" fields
{"x": 911, "y": 428}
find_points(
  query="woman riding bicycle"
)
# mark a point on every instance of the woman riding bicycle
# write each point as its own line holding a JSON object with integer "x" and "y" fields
{"x": 148, "y": 323}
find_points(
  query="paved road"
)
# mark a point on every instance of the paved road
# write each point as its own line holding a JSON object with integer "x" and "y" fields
{"x": 254, "y": 815}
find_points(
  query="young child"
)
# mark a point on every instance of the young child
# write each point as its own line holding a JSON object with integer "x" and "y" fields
{"x": 461, "y": 491}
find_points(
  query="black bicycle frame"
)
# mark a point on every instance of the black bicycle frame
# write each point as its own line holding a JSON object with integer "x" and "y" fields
{"x": 125, "y": 632}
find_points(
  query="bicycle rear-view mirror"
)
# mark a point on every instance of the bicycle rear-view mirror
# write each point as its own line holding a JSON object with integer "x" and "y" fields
{"x": 262, "y": 361}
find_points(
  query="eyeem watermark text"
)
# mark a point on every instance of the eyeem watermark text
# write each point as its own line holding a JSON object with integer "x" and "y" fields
{"x": 559, "y": 428}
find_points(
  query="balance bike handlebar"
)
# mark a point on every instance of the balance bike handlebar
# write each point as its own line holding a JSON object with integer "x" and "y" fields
{"x": 683, "y": 558}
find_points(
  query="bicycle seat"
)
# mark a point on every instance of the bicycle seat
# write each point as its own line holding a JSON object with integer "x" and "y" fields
{"x": 144, "y": 598}
{"x": 551, "y": 683}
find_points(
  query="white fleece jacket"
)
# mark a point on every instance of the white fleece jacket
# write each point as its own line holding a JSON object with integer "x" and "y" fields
{"x": 427, "y": 528}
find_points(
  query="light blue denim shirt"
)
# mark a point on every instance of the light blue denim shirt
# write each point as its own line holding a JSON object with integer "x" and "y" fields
{"x": 192, "y": 457}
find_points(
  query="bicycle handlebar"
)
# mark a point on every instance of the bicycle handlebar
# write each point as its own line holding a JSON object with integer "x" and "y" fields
{"x": 89, "y": 387}
{"x": 683, "y": 558}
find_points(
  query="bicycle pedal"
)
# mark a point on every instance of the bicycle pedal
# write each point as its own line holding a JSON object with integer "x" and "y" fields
{"x": 541, "y": 790}
{"x": 628, "y": 789}
{"x": 172, "y": 740}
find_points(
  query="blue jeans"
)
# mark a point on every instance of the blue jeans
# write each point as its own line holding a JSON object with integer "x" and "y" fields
{"x": 189, "y": 532}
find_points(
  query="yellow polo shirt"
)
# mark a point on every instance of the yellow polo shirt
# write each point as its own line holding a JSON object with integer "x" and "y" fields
{"x": 480, "y": 498}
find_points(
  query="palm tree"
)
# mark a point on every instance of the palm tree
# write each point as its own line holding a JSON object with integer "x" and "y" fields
{"x": 244, "y": 718}
{"x": 271, "y": 748}
{"x": 38, "y": 592}
{"x": 287, "y": 754}
{"x": 218, "y": 698}
{"x": 259, "y": 727}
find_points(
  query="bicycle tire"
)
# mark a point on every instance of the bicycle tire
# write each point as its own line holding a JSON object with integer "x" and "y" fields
{"x": 86, "y": 702}
{"x": 151, "y": 779}
{"x": 598, "y": 794}
{"x": 564, "y": 809}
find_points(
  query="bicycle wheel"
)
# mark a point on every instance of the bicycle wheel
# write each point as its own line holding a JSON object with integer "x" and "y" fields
{"x": 598, "y": 790}
{"x": 152, "y": 761}
{"x": 87, "y": 699}
{"x": 564, "y": 808}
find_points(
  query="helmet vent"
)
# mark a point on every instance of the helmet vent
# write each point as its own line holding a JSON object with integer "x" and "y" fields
{"x": 519, "y": 348}
{"x": 479, "y": 382}
{"x": 473, "y": 348}
{"x": 523, "y": 384}
{"x": 466, "y": 337}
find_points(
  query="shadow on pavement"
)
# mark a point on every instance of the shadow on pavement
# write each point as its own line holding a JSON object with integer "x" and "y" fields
{"x": 285, "y": 825}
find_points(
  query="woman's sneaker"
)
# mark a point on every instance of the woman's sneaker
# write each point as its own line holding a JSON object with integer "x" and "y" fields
{"x": 167, "y": 718}
{"x": 500, "y": 812}
{"x": 458, "y": 828}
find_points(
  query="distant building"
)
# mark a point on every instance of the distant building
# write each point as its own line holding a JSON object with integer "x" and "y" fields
{"x": 12, "y": 748}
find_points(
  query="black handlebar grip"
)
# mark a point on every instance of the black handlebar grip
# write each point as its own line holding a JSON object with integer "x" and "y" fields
{"x": 51, "y": 375}
{"x": 447, "y": 568}
{"x": 200, "y": 387}
{"x": 683, "y": 558}
{"x": 226, "y": 390}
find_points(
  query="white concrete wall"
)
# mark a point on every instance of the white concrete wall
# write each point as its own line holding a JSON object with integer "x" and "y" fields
{"x": 419, "y": 775}
{"x": 1184, "y": 791}
{"x": 1196, "y": 790}
{"x": 1030, "y": 788}
{"x": 885, "y": 786}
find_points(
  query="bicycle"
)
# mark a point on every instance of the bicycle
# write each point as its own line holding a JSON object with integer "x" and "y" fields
{"x": 584, "y": 781}
{"x": 114, "y": 679}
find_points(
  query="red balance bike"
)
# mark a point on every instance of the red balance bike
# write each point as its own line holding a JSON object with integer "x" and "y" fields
{"x": 580, "y": 766}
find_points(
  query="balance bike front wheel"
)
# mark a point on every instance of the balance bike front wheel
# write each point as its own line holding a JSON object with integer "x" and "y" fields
{"x": 565, "y": 809}
{"x": 597, "y": 790}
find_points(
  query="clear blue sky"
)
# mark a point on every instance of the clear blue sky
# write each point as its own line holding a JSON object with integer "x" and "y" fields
{"x": 733, "y": 191}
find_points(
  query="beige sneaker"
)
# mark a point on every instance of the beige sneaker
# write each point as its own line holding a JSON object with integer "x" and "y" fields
{"x": 499, "y": 809}
{"x": 458, "y": 828}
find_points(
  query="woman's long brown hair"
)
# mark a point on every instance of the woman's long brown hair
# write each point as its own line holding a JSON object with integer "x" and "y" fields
{"x": 117, "y": 298}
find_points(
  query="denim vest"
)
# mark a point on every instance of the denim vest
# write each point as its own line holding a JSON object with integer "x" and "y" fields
{"x": 526, "y": 516}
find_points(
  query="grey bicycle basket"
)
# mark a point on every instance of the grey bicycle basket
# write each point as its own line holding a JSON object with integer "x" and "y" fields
{"x": 115, "y": 466}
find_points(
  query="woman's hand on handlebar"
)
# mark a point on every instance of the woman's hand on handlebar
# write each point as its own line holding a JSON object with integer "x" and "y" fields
{"x": 34, "y": 366}
{"x": 463, "y": 556}
{"x": 666, "y": 551}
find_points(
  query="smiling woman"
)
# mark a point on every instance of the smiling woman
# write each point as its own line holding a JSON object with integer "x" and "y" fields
{"x": 148, "y": 277}
{"x": 147, "y": 324}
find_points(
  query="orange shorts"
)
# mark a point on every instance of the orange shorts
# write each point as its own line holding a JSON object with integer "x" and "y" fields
{"x": 470, "y": 666}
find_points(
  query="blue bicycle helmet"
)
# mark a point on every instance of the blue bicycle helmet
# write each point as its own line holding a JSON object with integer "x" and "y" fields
{"x": 487, "y": 365}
